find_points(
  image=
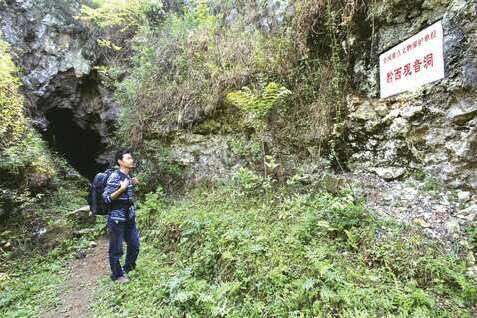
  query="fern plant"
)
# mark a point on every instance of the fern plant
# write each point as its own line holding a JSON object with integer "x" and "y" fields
{"x": 259, "y": 103}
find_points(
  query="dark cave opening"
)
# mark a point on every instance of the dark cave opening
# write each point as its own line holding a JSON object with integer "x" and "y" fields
{"x": 81, "y": 147}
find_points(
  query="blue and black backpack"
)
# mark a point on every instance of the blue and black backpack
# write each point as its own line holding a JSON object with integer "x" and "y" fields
{"x": 95, "y": 195}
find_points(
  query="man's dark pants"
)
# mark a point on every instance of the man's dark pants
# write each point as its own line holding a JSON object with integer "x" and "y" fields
{"x": 119, "y": 232}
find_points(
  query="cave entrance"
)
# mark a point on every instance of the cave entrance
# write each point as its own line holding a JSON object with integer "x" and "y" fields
{"x": 80, "y": 146}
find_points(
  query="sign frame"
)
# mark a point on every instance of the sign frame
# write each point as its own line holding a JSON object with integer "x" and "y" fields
{"x": 414, "y": 62}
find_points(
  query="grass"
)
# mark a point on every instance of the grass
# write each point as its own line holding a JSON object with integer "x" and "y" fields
{"x": 224, "y": 253}
{"x": 32, "y": 274}
{"x": 32, "y": 285}
{"x": 32, "y": 288}
{"x": 245, "y": 250}
{"x": 190, "y": 66}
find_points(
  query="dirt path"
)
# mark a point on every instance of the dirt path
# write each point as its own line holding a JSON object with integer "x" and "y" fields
{"x": 82, "y": 281}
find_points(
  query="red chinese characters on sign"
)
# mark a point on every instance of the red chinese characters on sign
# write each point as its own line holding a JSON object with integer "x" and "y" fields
{"x": 429, "y": 60}
{"x": 397, "y": 73}
{"x": 408, "y": 69}
{"x": 417, "y": 65}
{"x": 407, "y": 48}
{"x": 389, "y": 77}
{"x": 414, "y": 62}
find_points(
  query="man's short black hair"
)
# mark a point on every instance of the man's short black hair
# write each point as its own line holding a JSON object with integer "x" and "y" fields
{"x": 120, "y": 153}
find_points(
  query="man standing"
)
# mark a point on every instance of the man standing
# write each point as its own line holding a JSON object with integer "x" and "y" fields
{"x": 119, "y": 198}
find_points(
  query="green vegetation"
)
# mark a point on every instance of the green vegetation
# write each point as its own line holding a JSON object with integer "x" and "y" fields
{"x": 242, "y": 250}
{"x": 156, "y": 167}
{"x": 257, "y": 106}
{"x": 247, "y": 148}
{"x": 33, "y": 286}
{"x": 25, "y": 292}
{"x": 125, "y": 14}
{"x": 26, "y": 164}
{"x": 187, "y": 64}
{"x": 260, "y": 105}
{"x": 33, "y": 268}
{"x": 12, "y": 121}
{"x": 37, "y": 190}
{"x": 261, "y": 245}
{"x": 30, "y": 173}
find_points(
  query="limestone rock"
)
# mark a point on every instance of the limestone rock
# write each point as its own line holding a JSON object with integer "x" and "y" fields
{"x": 472, "y": 272}
{"x": 453, "y": 226}
{"x": 422, "y": 223}
{"x": 389, "y": 173}
{"x": 205, "y": 158}
{"x": 82, "y": 232}
{"x": 462, "y": 111}
{"x": 365, "y": 112}
{"x": 82, "y": 215}
{"x": 411, "y": 111}
{"x": 468, "y": 213}
{"x": 433, "y": 128}
{"x": 463, "y": 196}
{"x": 56, "y": 58}
{"x": 399, "y": 126}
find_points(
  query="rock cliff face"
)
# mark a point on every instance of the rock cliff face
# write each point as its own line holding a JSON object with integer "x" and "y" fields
{"x": 56, "y": 57}
{"x": 413, "y": 155}
{"x": 430, "y": 132}
{"x": 433, "y": 129}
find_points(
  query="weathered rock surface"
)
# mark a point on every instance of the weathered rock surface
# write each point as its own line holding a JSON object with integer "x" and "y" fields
{"x": 425, "y": 204}
{"x": 205, "y": 157}
{"x": 430, "y": 132}
{"x": 432, "y": 129}
{"x": 82, "y": 215}
{"x": 56, "y": 57}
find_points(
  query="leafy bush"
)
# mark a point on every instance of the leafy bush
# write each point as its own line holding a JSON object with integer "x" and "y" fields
{"x": 26, "y": 164}
{"x": 188, "y": 67}
{"x": 249, "y": 183}
{"x": 28, "y": 155}
{"x": 197, "y": 61}
{"x": 28, "y": 170}
{"x": 249, "y": 148}
{"x": 257, "y": 105}
{"x": 215, "y": 254}
{"x": 156, "y": 166}
{"x": 126, "y": 14}
{"x": 13, "y": 124}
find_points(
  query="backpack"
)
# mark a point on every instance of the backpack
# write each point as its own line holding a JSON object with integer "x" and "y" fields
{"x": 95, "y": 195}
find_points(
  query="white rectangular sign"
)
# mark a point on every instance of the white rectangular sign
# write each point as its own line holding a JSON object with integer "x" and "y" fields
{"x": 417, "y": 61}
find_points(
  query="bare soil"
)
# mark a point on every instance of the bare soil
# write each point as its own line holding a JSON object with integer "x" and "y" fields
{"x": 82, "y": 282}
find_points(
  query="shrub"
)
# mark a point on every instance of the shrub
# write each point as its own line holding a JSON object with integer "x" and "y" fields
{"x": 213, "y": 254}
{"x": 26, "y": 167}
{"x": 126, "y": 14}
{"x": 13, "y": 124}
{"x": 196, "y": 63}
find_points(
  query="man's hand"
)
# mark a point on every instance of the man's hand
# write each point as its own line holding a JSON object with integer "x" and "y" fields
{"x": 123, "y": 185}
